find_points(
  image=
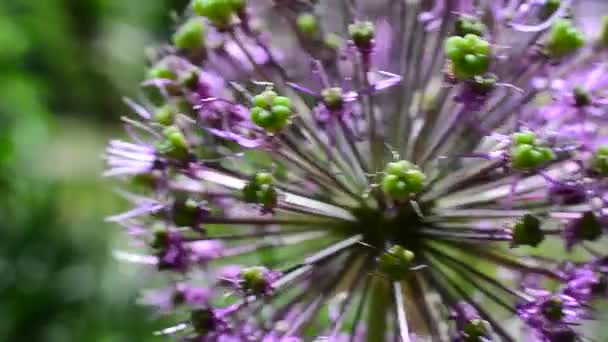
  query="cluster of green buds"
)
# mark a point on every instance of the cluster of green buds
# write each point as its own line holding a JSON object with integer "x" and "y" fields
{"x": 165, "y": 69}
{"x": 396, "y": 262}
{"x": 219, "y": 12}
{"x": 253, "y": 280}
{"x": 260, "y": 189}
{"x": 173, "y": 144}
{"x": 362, "y": 34}
{"x": 402, "y": 179}
{"x": 469, "y": 55}
{"x": 469, "y": 25}
{"x": 527, "y": 153}
{"x": 270, "y": 111}
{"x": 564, "y": 39}
{"x": 600, "y": 160}
{"x": 527, "y": 232}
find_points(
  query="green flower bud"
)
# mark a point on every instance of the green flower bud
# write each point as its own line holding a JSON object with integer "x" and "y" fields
{"x": 467, "y": 25}
{"x": 190, "y": 36}
{"x": 281, "y": 112}
{"x": 362, "y": 33}
{"x": 527, "y": 232}
{"x": 600, "y": 160}
{"x": 564, "y": 39}
{"x": 553, "y": 309}
{"x": 523, "y": 138}
{"x": 308, "y": 25}
{"x": 253, "y": 280}
{"x": 582, "y": 98}
{"x": 333, "y": 98}
{"x": 470, "y": 55}
{"x": 165, "y": 114}
{"x": 333, "y": 41}
{"x": 174, "y": 145}
{"x": 161, "y": 239}
{"x": 484, "y": 85}
{"x": 476, "y": 330}
{"x": 219, "y": 12}
{"x": 589, "y": 227}
{"x": 396, "y": 262}
{"x": 263, "y": 178}
{"x": 161, "y": 72}
{"x": 281, "y": 101}
{"x": 186, "y": 213}
{"x": 265, "y": 99}
{"x": 261, "y": 190}
{"x": 203, "y": 321}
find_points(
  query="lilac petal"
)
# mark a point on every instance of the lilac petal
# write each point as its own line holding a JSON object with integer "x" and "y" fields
{"x": 138, "y": 109}
{"x": 245, "y": 142}
{"x": 547, "y": 23}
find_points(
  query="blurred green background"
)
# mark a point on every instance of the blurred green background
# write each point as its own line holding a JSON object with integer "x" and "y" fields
{"x": 65, "y": 65}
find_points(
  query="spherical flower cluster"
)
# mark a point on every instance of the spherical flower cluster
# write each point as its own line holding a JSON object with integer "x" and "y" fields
{"x": 372, "y": 170}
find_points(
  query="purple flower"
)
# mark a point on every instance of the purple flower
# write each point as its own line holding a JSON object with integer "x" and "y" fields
{"x": 382, "y": 170}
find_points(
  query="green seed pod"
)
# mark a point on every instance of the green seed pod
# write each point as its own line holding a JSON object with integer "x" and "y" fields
{"x": 564, "y": 39}
{"x": 527, "y": 232}
{"x": 468, "y": 25}
{"x": 219, "y": 12}
{"x": 174, "y": 145}
{"x": 362, "y": 33}
{"x": 261, "y": 190}
{"x": 470, "y": 55}
{"x": 553, "y": 309}
{"x": 582, "y": 98}
{"x": 186, "y": 213}
{"x": 396, "y": 262}
{"x": 265, "y": 99}
{"x": 281, "y": 101}
{"x": 600, "y": 160}
{"x": 161, "y": 72}
{"x": 253, "y": 280}
{"x": 589, "y": 227}
{"x": 476, "y": 330}
{"x": 190, "y": 36}
{"x": 165, "y": 114}
{"x": 203, "y": 321}
{"x": 308, "y": 25}
{"x": 333, "y": 98}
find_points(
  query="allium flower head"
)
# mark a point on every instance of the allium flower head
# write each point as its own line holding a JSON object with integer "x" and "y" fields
{"x": 371, "y": 170}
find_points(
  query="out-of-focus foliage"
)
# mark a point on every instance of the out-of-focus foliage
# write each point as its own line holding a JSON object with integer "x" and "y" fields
{"x": 65, "y": 66}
